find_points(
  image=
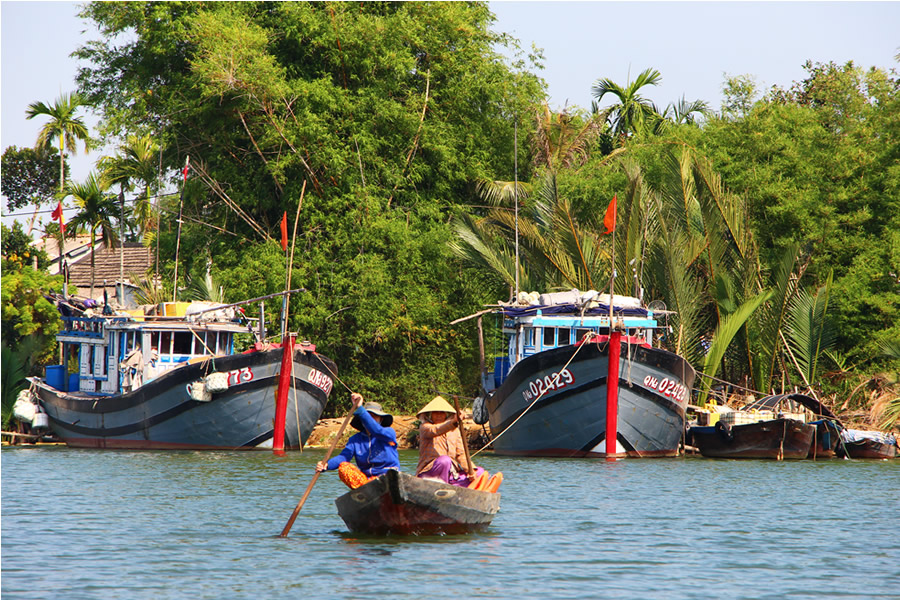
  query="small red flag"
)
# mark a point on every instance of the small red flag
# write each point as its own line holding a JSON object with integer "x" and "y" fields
{"x": 58, "y": 216}
{"x": 284, "y": 232}
{"x": 609, "y": 221}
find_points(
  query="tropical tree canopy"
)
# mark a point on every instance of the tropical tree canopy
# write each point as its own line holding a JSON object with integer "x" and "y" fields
{"x": 411, "y": 156}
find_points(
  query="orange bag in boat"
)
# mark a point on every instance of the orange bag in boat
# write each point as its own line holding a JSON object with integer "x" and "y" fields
{"x": 481, "y": 480}
{"x": 494, "y": 484}
{"x": 352, "y": 476}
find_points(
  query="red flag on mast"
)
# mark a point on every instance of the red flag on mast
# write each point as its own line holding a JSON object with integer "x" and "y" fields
{"x": 58, "y": 216}
{"x": 609, "y": 221}
{"x": 284, "y": 232}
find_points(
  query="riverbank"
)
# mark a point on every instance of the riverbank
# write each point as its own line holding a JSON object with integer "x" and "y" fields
{"x": 406, "y": 426}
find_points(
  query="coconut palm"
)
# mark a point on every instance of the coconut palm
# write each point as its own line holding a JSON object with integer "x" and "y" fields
{"x": 683, "y": 112}
{"x": 97, "y": 212}
{"x": 136, "y": 164}
{"x": 562, "y": 140}
{"x": 632, "y": 112}
{"x": 63, "y": 126}
{"x": 557, "y": 250}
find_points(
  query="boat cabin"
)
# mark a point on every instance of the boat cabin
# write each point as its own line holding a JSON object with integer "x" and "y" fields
{"x": 118, "y": 353}
{"x": 561, "y": 320}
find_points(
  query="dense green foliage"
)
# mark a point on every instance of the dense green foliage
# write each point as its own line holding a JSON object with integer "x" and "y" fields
{"x": 29, "y": 176}
{"x": 18, "y": 251}
{"x": 386, "y": 130}
{"x": 378, "y": 117}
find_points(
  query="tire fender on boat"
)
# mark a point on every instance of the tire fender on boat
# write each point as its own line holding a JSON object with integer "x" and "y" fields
{"x": 725, "y": 431}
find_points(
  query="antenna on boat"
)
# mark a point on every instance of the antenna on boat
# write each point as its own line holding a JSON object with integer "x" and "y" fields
{"x": 187, "y": 163}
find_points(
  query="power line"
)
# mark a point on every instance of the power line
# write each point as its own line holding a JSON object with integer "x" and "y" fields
{"x": 50, "y": 210}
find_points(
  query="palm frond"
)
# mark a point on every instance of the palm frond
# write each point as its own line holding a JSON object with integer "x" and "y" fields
{"x": 770, "y": 320}
{"x": 807, "y": 328}
{"x": 724, "y": 334}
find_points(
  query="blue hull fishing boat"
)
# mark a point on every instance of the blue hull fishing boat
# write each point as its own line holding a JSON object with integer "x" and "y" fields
{"x": 550, "y": 395}
{"x": 158, "y": 381}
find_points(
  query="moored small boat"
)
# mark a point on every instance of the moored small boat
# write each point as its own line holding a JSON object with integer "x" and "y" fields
{"x": 856, "y": 443}
{"x": 779, "y": 439}
{"x": 401, "y": 504}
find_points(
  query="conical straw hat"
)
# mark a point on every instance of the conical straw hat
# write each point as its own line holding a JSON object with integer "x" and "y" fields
{"x": 437, "y": 405}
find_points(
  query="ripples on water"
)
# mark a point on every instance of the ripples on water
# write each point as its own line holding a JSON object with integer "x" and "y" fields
{"x": 149, "y": 525}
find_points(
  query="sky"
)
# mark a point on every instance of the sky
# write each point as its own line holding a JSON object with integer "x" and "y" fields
{"x": 694, "y": 46}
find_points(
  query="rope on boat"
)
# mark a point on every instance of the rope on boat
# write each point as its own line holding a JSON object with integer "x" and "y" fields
{"x": 553, "y": 385}
{"x": 333, "y": 374}
{"x": 734, "y": 385}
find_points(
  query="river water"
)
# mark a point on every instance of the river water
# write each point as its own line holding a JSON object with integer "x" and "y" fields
{"x": 79, "y": 524}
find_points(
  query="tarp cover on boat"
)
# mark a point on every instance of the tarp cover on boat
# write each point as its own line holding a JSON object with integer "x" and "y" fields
{"x": 857, "y": 435}
{"x": 562, "y": 309}
{"x": 772, "y": 402}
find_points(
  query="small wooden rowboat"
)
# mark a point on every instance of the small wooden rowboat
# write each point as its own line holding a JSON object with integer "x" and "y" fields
{"x": 398, "y": 503}
{"x": 856, "y": 443}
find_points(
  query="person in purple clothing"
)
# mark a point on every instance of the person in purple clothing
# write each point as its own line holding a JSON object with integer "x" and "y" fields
{"x": 374, "y": 448}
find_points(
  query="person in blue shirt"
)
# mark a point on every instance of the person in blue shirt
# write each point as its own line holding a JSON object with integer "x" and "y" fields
{"x": 375, "y": 446}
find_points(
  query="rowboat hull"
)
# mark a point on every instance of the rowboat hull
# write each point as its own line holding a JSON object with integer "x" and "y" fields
{"x": 569, "y": 419}
{"x": 776, "y": 439}
{"x": 163, "y": 414}
{"x": 867, "y": 444}
{"x": 398, "y": 503}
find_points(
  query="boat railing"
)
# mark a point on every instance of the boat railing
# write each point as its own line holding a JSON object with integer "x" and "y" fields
{"x": 87, "y": 327}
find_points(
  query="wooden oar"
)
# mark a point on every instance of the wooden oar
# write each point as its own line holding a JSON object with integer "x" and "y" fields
{"x": 315, "y": 477}
{"x": 462, "y": 432}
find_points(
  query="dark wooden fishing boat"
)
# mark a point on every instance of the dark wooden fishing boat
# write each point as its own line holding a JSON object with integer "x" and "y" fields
{"x": 826, "y": 439}
{"x": 856, "y": 443}
{"x": 398, "y": 503}
{"x": 774, "y": 438}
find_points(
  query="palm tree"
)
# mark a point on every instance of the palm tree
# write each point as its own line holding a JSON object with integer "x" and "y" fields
{"x": 684, "y": 112}
{"x": 633, "y": 112}
{"x": 97, "y": 212}
{"x": 562, "y": 139}
{"x": 63, "y": 126}
{"x": 136, "y": 164}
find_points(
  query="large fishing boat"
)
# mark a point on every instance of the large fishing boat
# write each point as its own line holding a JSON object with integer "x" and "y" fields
{"x": 552, "y": 395}
{"x": 170, "y": 377}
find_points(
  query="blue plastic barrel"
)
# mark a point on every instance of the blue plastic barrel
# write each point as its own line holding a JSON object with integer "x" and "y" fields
{"x": 55, "y": 376}
{"x": 74, "y": 380}
{"x": 501, "y": 368}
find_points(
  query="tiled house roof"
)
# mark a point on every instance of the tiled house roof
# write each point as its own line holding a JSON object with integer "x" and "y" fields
{"x": 138, "y": 259}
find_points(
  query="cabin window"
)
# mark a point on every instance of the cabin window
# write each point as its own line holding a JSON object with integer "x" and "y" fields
{"x": 549, "y": 337}
{"x": 182, "y": 342}
{"x": 202, "y": 342}
{"x": 580, "y": 333}
{"x": 564, "y": 337}
{"x": 165, "y": 342}
{"x": 223, "y": 346}
{"x": 102, "y": 365}
{"x": 529, "y": 336}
